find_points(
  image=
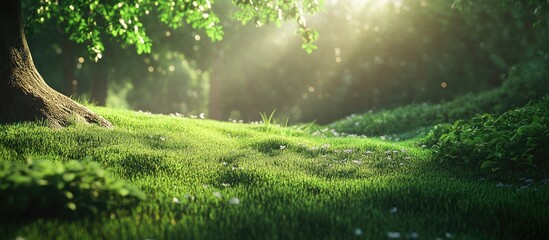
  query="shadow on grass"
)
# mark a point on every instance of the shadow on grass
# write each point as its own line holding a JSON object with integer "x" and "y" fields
{"x": 138, "y": 164}
{"x": 274, "y": 207}
{"x": 271, "y": 147}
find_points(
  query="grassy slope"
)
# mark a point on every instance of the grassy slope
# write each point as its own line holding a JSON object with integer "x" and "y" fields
{"x": 307, "y": 190}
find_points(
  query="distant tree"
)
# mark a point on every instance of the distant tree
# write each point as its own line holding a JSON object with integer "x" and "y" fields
{"x": 24, "y": 95}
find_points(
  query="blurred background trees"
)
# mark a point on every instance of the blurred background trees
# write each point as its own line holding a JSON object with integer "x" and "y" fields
{"x": 372, "y": 54}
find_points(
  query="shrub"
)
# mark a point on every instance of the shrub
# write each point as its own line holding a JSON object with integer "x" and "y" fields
{"x": 517, "y": 139}
{"x": 43, "y": 188}
{"x": 526, "y": 82}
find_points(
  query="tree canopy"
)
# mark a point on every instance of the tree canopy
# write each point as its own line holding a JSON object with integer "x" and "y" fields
{"x": 91, "y": 22}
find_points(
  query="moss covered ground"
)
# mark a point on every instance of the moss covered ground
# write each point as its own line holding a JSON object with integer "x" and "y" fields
{"x": 206, "y": 179}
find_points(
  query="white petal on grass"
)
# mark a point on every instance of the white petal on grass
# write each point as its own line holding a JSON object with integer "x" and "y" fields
{"x": 358, "y": 231}
{"x": 234, "y": 201}
{"x": 393, "y": 235}
{"x": 412, "y": 235}
{"x": 217, "y": 194}
{"x": 393, "y": 210}
{"x": 503, "y": 185}
{"x": 282, "y": 147}
{"x": 190, "y": 197}
{"x": 449, "y": 235}
{"x": 225, "y": 184}
{"x": 176, "y": 200}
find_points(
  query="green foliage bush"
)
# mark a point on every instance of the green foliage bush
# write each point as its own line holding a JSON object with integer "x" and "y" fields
{"x": 526, "y": 82}
{"x": 517, "y": 139}
{"x": 43, "y": 188}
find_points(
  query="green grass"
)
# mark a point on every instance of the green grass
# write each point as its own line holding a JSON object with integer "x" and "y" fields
{"x": 289, "y": 186}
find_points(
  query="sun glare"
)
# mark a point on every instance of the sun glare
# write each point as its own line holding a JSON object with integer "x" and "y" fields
{"x": 371, "y": 6}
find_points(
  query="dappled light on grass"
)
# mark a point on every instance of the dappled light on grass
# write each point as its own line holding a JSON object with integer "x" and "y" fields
{"x": 205, "y": 179}
{"x": 234, "y": 201}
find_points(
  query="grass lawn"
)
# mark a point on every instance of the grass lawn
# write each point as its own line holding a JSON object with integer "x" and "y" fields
{"x": 205, "y": 179}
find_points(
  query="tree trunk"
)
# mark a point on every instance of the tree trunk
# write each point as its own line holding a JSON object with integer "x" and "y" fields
{"x": 99, "y": 83}
{"x": 24, "y": 96}
{"x": 69, "y": 88}
{"x": 214, "y": 98}
{"x": 215, "y": 109}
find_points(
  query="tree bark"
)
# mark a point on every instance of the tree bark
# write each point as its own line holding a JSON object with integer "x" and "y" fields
{"x": 24, "y": 96}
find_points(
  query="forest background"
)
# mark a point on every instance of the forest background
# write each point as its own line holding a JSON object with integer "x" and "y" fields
{"x": 370, "y": 56}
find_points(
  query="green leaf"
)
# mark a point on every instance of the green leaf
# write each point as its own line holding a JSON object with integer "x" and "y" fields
{"x": 20, "y": 179}
{"x": 67, "y": 177}
{"x": 123, "y": 192}
{"x": 487, "y": 164}
{"x": 71, "y": 206}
